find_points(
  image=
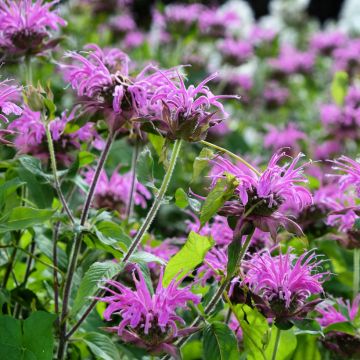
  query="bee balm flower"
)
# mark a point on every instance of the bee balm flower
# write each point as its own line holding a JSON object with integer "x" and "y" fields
{"x": 9, "y": 95}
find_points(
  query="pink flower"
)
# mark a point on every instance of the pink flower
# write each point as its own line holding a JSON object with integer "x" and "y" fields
{"x": 149, "y": 321}
{"x": 25, "y": 25}
{"x": 114, "y": 192}
{"x": 350, "y": 170}
{"x": 275, "y": 95}
{"x": 236, "y": 52}
{"x": 326, "y": 42}
{"x": 282, "y": 284}
{"x": 9, "y": 96}
{"x": 341, "y": 311}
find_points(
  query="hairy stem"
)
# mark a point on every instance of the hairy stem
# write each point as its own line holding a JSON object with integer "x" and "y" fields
{"x": 356, "y": 271}
{"x": 130, "y": 206}
{"x": 231, "y": 154}
{"x": 77, "y": 245}
{"x": 157, "y": 202}
{"x": 54, "y": 171}
{"x": 277, "y": 342}
{"x": 144, "y": 227}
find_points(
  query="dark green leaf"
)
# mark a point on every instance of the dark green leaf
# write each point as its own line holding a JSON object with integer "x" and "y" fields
{"x": 219, "y": 342}
{"x": 8, "y": 188}
{"x": 101, "y": 346}
{"x": 345, "y": 327}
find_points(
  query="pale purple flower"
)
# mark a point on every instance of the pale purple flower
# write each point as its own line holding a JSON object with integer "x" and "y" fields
{"x": 236, "y": 52}
{"x": 133, "y": 39}
{"x": 147, "y": 320}
{"x": 287, "y": 137}
{"x": 275, "y": 95}
{"x": 30, "y": 136}
{"x": 122, "y": 24}
{"x": 10, "y": 94}
{"x": 341, "y": 311}
{"x": 347, "y": 58}
{"x": 327, "y": 149}
{"x": 282, "y": 284}
{"x": 259, "y": 35}
{"x": 181, "y": 17}
{"x": 235, "y": 327}
{"x": 291, "y": 61}
{"x": 326, "y": 42}
{"x": 114, "y": 192}
{"x": 186, "y": 113}
{"x": 330, "y": 114}
{"x": 26, "y": 25}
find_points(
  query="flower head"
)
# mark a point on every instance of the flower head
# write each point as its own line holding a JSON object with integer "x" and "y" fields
{"x": 326, "y": 42}
{"x": 25, "y": 26}
{"x": 236, "y": 52}
{"x": 9, "y": 96}
{"x": 114, "y": 193}
{"x": 282, "y": 284}
{"x": 186, "y": 113}
{"x": 261, "y": 196}
{"x": 147, "y": 320}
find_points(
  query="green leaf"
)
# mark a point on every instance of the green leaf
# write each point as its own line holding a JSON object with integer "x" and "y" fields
{"x": 101, "y": 346}
{"x": 23, "y": 217}
{"x": 111, "y": 234}
{"x": 181, "y": 198}
{"x": 157, "y": 142}
{"x": 339, "y": 87}
{"x": 344, "y": 327}
{"x": 219, "y": 342}
{"x": 144, "y": 167}
{"x": 201, "y": 163}
{"x": 287, "y": 344}
{"x": 307, "y": 326}
{"x": 8, "y": 188}
{"x": 192, "y": 350}
{"x": 30, "y": 339}
{"x": 97, "y": 273}
{"x": 146, "y": 257}
{"x": 222, "y": 191}
{"x": 191, "y": 255}
{"x": 306, "y": 348}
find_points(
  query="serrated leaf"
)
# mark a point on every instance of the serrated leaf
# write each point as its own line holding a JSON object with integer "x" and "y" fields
{"x": 97, "y": 273}
{"x": 111, "y": 233}
{"x": 219, "y": 342}
{"x": 101, "y": 346}
{"x": 146, "y": 257}
{"x": 191, "y": 255}
{"x": 222, "y": 191}
{"x": 23, "y": 217}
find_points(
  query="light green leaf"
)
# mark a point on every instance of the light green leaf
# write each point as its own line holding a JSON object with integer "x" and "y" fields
{"x": 101, "y": 346}
{"x": 8, "y": 188}
{"x": 201, "y": 163}
{"x": 306, "y": 348}
{"x": 97, "y": 273}
{"x": 339, "y": 87}
{"x": 287, "y": 344}
{"x": 181, "y": 198}
{"x": 144, "y": 167}
{"x": 190, "y": 255}
{"x": 157, "y": 142}
{"x": 345, "y": 327}
{"x": 222, "y": 191}
{"x": 219, "y": 342}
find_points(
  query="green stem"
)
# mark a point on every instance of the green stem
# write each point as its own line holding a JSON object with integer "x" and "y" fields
{"x": 156, "y": 204}
{"x": 231, "y": 154}
{"x": 356, "y": 271}
{"x": 277, "y": 342}
{"x": 54, "y": 171}
{"x": 28, "y": 71}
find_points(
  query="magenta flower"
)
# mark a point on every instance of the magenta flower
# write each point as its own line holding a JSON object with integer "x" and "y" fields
{"x": 186, "y": 113}
{"x": 292, "y": 61}
{"x": 341, "y": 311}
{"x": 122, "y": 24}
{"x": 287, "y": 137}
{"x": 148, "y": 321}
{"x": 25, "y": 26}
{"x": 326, "y": 42}
{"x": 282, "y": 284}
{"x": 114, "y": 193}
{"x": 261, "y": 35}
{"x": 275, "y": 95}
{"x": 347, "y": 58}
{"x": 9, "y": 95}
{"x": 262, "y": 196}
{"x": 236, "y": 52}
{"x": 351, "y": 173}
{"x": 235, "y": 327}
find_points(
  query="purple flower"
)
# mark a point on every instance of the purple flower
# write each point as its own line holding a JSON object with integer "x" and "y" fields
{"x": 165, "y": 250}
{"x": 347, "y": 58}
{"x": 341, "y": 311}
{"x": 133, "y": 40}
{"x": 292, "y": 61}
{"x": 351, "y": 173}
{"x": 275, "y": 95}
{"x": 235, "y": 327}
{"x": 30, "y": 135}
{"x": 288, "y": 137}
{"x": 9, "y": 95}
{"x": 282, "y": 284}
{"x": 122, "y": 24}
{"x": 236, "y": 52}
{"x": 326, "y": 42}
{"x": 114, "y": 193}
{"x": 25, "y": 26}
{"x": 147, "y": 320}
{"x": 260, "y": 35}
{"x": 185, "y": 113}
{"x": 261, "y": 197}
